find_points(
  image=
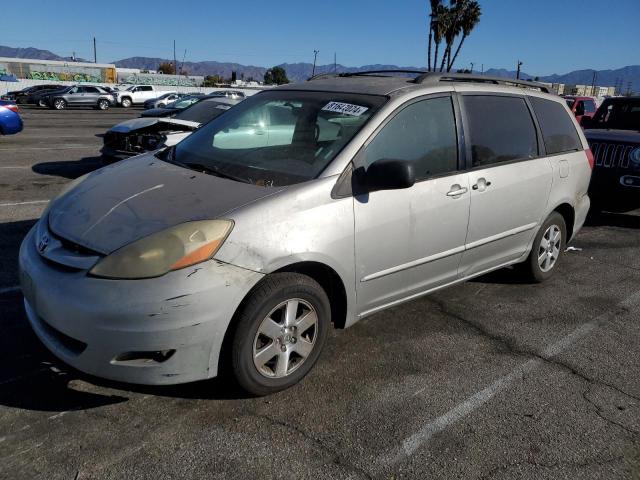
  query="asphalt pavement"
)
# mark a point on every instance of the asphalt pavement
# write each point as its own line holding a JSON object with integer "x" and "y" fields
{"x": 490, "y": 379}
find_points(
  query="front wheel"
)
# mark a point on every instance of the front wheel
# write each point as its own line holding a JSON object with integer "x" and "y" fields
{"x": 547, "y": 249}
{"x": 280, "y": 333}
{"x": 59, "y": 104}
{"x": 126, "y": 102}
{"x": 103, "y": 104}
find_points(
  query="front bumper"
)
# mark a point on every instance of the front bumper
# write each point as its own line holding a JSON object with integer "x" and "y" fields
{"x": 101, "y": 326}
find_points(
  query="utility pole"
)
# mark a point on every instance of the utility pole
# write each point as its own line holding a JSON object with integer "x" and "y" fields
{"x": 175, "y": 63}
{"x": 518, "y": 70}
{"x": 335, "y": 64}
{"x": 315, "y": 56}
{"x": 482, "y": 71}
{"x": 95, "y": 56}
{"x": 593, "y": 83}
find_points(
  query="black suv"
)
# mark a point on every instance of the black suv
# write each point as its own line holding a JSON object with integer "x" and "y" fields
{"x": 614, "y": 137}
{"x": 22, "y": 96}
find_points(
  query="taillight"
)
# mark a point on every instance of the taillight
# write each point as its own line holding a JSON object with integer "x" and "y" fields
{"x": 13, "y": 108}
{"x": 590, "y": 157}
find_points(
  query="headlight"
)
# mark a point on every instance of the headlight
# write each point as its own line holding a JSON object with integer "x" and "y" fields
{"x": 172, "y": 249}
{"x": 634, "y": 156}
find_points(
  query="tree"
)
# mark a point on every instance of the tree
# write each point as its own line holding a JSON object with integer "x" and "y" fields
{"x": 448, "y": 23}
{"x": 275, "y": 76}
{"x": 167, "y": 68}
{"x": 212, "y": 80}
{"x": 468, "y": 20}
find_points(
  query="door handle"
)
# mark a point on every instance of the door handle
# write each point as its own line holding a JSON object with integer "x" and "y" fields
{"x": 456, "y": 191}
{"x": 481, "y": 184}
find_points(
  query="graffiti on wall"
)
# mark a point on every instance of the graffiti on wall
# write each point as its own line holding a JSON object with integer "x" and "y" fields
{"x": 65, "y": 77}
{"x": 158, "y": 79}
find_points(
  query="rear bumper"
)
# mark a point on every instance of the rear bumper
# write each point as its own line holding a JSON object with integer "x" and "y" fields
{"x": 177, "y": 321}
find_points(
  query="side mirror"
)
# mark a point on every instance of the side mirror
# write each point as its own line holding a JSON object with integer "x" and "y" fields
{"x": 388, "y": 174}
{"x": 586, "y": 122}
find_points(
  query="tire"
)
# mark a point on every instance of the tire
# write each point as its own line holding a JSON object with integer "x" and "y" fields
{"x": 103, "y": 105}
{"x": 59, "y": 103}
{"x": 538, "y": 268}
{"x": 160, "y": 105}
{"x": 126, "y": 102}
{"x": 265, "y": 310}
{"x": 42, "y": 102}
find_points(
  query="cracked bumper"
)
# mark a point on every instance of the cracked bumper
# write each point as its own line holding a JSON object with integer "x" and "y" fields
{"x": 90, "y": 323}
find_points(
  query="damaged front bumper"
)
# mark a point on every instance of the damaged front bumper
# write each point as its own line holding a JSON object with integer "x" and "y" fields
{"x": 155, "y": 331}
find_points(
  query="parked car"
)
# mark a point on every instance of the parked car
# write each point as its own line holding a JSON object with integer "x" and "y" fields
{"x": 136, "y": 95}
{"x": 39, "y": 98}
{"x": 163, "y": 100}
{"x": 581, "y": 106}
{"x": 10, "y": 120}
{"x": 304, "y": 205}
{"x": 79, "y": 96}
{"x": 227, "y": 93}
{"x": 140, "y": 135}
{"x": 614, "y": 137}
{"x": 174, "y": 107}
{"x": 23, "y": 96}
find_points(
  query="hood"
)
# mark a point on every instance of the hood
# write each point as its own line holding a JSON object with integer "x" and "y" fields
{"x": 124, "y": 202}
{"x": 612, "y": 135}
{"x": 144, "y": 122}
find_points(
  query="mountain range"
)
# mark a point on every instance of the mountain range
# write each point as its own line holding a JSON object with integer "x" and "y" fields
{"x": 626, "y": 77}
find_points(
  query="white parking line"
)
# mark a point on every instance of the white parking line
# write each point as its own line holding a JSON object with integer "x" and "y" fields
{"x": 68, "y": 147}
{"x": 413, "y": 442}
{"x": 17, "y": 166}
{"x": 29, "y": 202}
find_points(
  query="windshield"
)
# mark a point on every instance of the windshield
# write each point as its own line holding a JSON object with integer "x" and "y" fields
{"x": 620, "y": 114}
{"x": 203, "y": 111}
{"x": 278, "y": 137}
{"x": 183, "y": 102}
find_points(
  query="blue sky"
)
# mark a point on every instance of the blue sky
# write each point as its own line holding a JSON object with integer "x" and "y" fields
{"x": 549, "y": 36}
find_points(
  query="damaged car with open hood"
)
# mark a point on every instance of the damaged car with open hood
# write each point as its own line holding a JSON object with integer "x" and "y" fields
{"x": 141, "y": 135}
{"x": 304, "y": 206}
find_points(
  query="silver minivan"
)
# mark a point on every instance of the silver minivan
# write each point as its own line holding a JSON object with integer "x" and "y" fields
{"x": 305, "y": 206}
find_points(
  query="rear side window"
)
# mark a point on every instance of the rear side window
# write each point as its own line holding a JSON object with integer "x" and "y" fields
{"x": 589, "y": 106}
{"x": 558, "y": 131}
{"x": 500, "y": 129}
{"x": 424, "y": 133}
{"x": 144, "y": 88}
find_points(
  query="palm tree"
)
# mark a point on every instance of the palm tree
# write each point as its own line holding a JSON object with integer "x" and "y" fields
{"x": 451, "y": 28}
{"x": 439, "y": 28}
{"x": 470, "y": 17}
{"x": 435, "y": 4}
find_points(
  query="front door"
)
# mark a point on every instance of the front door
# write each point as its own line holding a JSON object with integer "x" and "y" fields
{"x": 510, "y": 181}
{"x": 411, "y": 240}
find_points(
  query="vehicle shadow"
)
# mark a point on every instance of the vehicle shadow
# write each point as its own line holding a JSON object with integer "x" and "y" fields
{"x": 69, "y": 169}
{"x": 504, "y": 276}
{"x": 613, "y": 219}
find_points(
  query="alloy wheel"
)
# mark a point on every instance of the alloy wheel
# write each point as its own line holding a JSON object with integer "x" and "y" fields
{"x": 285, "y": 338}
{"x": 549, "y": 249}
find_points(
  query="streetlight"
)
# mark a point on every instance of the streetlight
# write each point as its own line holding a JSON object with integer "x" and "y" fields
{"x": 518, "y": 71}
{"x": 315, "y": 55}
{"x": 471, "y": 67}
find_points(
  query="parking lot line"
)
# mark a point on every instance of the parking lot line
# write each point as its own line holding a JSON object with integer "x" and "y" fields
{"x": 411, "y": 443}
{"x": 29, "y": 202}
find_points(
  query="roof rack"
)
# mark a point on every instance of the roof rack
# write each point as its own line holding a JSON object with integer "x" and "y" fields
{"x": 434, "y": 77}
{"x": 363, "y": 73}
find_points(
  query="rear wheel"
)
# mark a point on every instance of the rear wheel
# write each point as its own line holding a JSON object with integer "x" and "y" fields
{"x": 547, "y": 249}
{"x": 280, "y": 333}
{"x": 59, "y": 104}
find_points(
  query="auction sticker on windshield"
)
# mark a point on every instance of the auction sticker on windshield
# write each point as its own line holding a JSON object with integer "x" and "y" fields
{"x": 345, "y": 108}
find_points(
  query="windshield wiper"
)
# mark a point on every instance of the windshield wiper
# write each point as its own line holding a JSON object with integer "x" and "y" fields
{"x": 211, "y": 170}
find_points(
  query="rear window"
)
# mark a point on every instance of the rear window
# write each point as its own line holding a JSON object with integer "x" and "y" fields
{"x": 500, "y": 129}
{"x": 558, "y": 131}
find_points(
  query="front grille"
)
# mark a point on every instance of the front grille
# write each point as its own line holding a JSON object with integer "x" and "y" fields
{"x": 115, "y": 141}
{"x": 611, "y": 155}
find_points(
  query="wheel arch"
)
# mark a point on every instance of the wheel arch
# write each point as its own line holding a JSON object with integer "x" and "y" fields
{"x": 568, "y": 213}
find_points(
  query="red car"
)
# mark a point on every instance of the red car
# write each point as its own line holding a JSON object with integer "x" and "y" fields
{"x": 581, "y": 106}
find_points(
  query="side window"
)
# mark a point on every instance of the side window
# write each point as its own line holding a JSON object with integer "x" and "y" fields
{"x": 144, "y": 89}
{"x": 589, "y": 106}
{"x": 424, "y": 133}
{"x": 75, "y": 90}
{"x": 558, "y": 130}
{"x": 91, "y": 90}
{"x": 500, "y": 129}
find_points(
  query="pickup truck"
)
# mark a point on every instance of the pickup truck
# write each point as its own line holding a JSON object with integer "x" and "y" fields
{"x": 137, "y": 94}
